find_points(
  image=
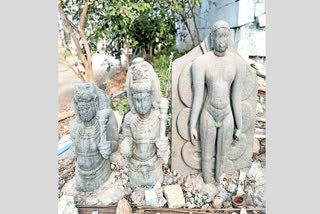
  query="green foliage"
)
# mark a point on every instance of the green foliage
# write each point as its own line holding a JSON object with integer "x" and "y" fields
{"x": 185, "y": 11}
{"x": 121, "y": 105}
{"x": 144, "y": 24}
{"x": 64, "y": 52}
{"x": 161, "y": 66}
{"x": 154, "y": 27}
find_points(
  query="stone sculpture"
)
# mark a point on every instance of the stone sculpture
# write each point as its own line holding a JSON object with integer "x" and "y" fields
{"x": 144, "y": 127}
{"x": 94, "y": 133}
{"x": 213, "y": 108}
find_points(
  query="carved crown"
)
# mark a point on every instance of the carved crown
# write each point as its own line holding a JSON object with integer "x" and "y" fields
{"x": 141, "y": 75}
{"x": 84, "y": 92}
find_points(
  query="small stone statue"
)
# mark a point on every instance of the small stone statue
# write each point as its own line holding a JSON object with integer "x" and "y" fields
{"x": 94, "y": 133}
{"x": 144, "y": 127}
{"x": 220, "y": 73}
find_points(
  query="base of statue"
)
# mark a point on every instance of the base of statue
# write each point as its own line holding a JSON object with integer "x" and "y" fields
{"x": 112, "y": 191}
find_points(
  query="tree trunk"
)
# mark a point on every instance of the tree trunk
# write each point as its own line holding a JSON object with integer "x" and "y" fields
{"x": 127, "y": 54}
{"x": 88, "y": 70}
{"x": 86, "y": 60}
{"x": 185, "y": 21}
{"x": 194, "y": 22}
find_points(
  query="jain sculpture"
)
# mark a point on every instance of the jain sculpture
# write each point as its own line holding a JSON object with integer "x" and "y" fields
{"x": 94, "y": 133}
{"x": 220, "y": 112}
{"x": 145, "y": 144}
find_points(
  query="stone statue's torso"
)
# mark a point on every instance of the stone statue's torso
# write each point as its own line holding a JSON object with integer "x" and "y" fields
{"x": 219, "y": 75}
{"x": 145, "y": 133}
{"x": 86, "y": 147}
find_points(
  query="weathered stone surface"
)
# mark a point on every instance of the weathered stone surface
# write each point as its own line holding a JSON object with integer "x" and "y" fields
{"x": 174, "y": 196}
{"x": 94, "y": 133}
{"x": 67, "y": 205}
{"x": 145, "y": 145}
{"x": 212, "y": 99}
{"x": 236, "y": 13}
{"x": 251, "y": 40}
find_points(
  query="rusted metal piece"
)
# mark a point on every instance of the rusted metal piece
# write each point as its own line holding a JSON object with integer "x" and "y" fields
{"x": 194, "y": 211}
{"x": 111, "y": 209}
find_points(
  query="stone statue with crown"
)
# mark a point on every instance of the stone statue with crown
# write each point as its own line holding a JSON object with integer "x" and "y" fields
{"x": 145, "y": 144}
{"x": 94, "y": 133}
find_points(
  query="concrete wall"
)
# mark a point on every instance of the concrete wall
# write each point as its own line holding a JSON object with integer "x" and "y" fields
{"x": 247, "y": 18}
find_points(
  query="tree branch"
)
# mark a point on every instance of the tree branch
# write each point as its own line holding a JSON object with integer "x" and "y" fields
{"x": 82, "y": 34}
{"x": 73, "y": 36}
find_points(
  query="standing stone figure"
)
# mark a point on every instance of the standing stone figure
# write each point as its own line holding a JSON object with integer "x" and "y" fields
{"x": 144, "y": 127}
{"x": 217, "y": 78}
{"x": 94, "y": 133}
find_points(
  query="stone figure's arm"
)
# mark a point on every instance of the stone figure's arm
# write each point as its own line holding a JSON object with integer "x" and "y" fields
{"x": 112, "y": 131}
{"x": 125, "y": 146}
{"x": 108, "y": 132}
{"x": 129, "y": 94}
{"x": 163, "y": 149}
{"x": 73, "y": 131}
{"x": 198, "y": 82}
{"x": 156, "y": 88}
{"x": 236, "y": 101}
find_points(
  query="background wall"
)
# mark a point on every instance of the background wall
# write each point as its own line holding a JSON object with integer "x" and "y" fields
{"x": 247, "y": 19}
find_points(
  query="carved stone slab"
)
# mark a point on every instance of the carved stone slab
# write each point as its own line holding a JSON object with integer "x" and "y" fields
{"x": 186, "y": 156}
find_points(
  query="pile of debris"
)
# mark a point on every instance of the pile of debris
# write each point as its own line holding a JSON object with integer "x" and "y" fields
{"x": 66, "y": 170}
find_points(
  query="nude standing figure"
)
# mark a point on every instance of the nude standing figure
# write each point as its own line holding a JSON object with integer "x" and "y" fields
{"x": 219, "y": 73}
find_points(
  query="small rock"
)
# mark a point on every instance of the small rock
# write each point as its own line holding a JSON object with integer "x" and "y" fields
{"x": 154, "y": 197}
{"x": 174, "y": 196}
{"x": 198, "y": 200}
{"x": 206, "y": 206}
{"x": 151, "y": 197}
{"x": 67, "y": 205}
{"x": 232, "y": 187}
{"x": 243, "y": 211}
{"x": 123, "y": 207}
{"x": 249, "y": 200}
{"x": 169, "y": 181}
{"x": 188, "y": 195}
{"x": 227, "y": 204}
{"x": 138, "y": 196}
{"x": 217, "y": 202}
{"x": 157, "y": 185}
{"x": 256, "y": 146}
{"x": 190, "y": 205}
{"x": 174, "y": 173}
{"x": 192, "y": 200}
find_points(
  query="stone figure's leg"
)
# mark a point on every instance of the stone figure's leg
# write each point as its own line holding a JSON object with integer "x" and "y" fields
{"x": 207, "y": 140}
{"x": 224, "y": 140}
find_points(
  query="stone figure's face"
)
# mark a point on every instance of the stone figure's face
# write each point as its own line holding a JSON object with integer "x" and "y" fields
{"x": 220, "y": 39}
{"x": 86, "y": 110}
{"x": 142, "y": 102}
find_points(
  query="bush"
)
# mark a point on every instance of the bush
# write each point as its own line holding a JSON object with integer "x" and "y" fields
{"x": 161, "y": 66}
